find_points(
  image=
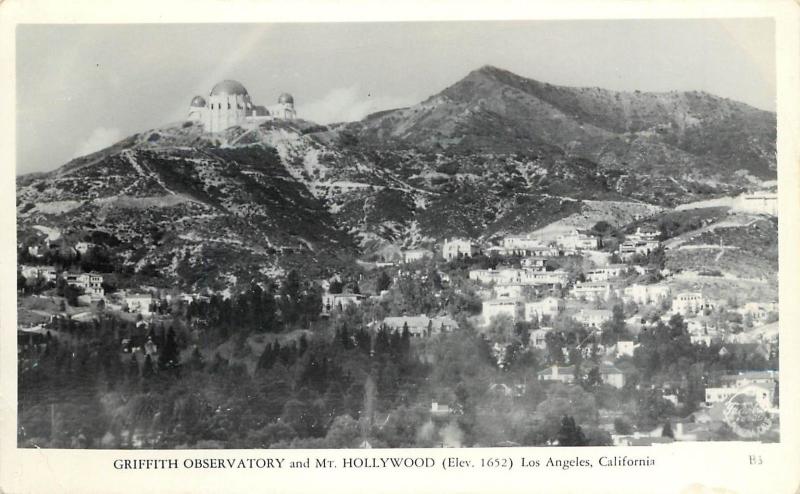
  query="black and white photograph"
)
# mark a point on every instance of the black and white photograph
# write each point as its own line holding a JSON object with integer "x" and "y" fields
{"x": 463, "y": 234}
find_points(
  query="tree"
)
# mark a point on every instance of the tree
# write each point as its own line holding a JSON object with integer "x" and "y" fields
{"x": 570, "y": 434}
{"x": 168, "y": 356}
{"x": 622, "y": 427}
{"x": 666, "y": 431}
{"x": 384, "y": 281}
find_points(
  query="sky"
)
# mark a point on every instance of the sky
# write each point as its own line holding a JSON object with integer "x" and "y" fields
{"x": 83, "y": 87}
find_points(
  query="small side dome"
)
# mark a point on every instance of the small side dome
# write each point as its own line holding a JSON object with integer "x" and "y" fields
{"x": 198, "y": 101}
{"x": 229, "y": 87}
{"x": 286, "y": 98}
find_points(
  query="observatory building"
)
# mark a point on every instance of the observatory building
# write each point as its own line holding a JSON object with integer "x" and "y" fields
{"x": 229, "y": 105}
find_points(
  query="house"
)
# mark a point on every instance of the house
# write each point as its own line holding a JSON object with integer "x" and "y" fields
{"x": 642, "y": 242}
{"x": 535, "y": 263}
{"x": 576, "y": 240}
{"x": 89, "y": 283}
{"x": 595, "y": 290}
{"x": 607, "y": 272}
{"x": 521, "y": 245}
{"x": 413, "y": 255}
{"x": 550, "y": 307}
{"x": 502, "y": 306}
{"x": 625, "y": 348}
{"x": 611, "y": 375}
{"x": 458, "y": 247}
{"x": 139, "y": 302}
{"x": 646, "y": 294}
{"x": 690, "y": 303}
{"x": 758, "y": 311}
{"x": 593, "y": 318}
{"x": 421, "y": 325}
{"x": 83, "y": 247}
{"x": 750, "y": 377}
{"x": 557, "y": 374}
{"x": 538, "y": 338}
{"x": 439, "y": 409}
{"x": 46, "y": 273}
{"x": 333, "y": 301}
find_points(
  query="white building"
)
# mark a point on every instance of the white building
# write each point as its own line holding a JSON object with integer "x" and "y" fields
{"x": 514, "y": 276}
{"x": 538, "y": 338}
{"x": 333, "y": 301}
{"x": 139, "y": 302}
{"x": 646, "y": 294}
{"x": 535, "y": 263}
{"x": 413, "y": 255}
{"x": 576, "y": 240}
{"x": 593, "y": 318}
{"x": 83, "y": 247}
{"x": 493, "y": 308}
{"x": 690, "y": 303}
{"x": 89, "y": 283}
{"x": 459, "y": 247}
{"x": 47, "y": 273}
{"x": 625, "y": 348}
{"x": 595, "y": 290}
{"x": 229, "y": 105}
{"x": 606, "y": 273}
{"x": 550, "y": 307}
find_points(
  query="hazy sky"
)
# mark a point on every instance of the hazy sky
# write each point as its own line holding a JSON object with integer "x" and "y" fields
{"x": 82, "y": 87}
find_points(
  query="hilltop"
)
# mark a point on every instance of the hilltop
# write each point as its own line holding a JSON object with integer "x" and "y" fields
{"x": 694, "y": 134}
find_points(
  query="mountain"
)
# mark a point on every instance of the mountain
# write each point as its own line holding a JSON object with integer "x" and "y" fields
{"x": 691, "y": 134}
{"x": 491, "y": 155}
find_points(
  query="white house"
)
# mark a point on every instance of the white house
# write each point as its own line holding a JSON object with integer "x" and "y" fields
{"x": 646, "y": 294}
{"x": 139, "y": 302}
{"x": 412, "y": 255}
{"x": 625, "y": 348}
{"x": 455, "y": 247}
{"x": 493, "y": 308}
{"x": 594, "y": 290}
{"x": 606, "y": 273}
{"x": 550, "y": 306}
{"x": 558, "y": 374}
{"x": 576, "y": 240}
{"x": 333, "y": 301}
{"x": 593, "y": 318}
{"x": 690, "y": 303}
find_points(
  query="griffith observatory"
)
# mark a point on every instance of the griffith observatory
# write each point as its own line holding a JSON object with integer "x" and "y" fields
{"x": 229, "y": 105}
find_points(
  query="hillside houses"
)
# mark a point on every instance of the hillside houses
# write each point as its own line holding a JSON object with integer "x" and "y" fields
{"x": 531, "y": 277}
{"x": 642, "y": 243}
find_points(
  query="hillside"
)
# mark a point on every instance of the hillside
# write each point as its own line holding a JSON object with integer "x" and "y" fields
{"x": 690, "y": 134}
{"x": 493, "y": 154}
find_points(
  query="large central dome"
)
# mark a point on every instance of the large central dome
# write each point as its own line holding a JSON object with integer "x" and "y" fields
{"x": 229, "y": 87}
